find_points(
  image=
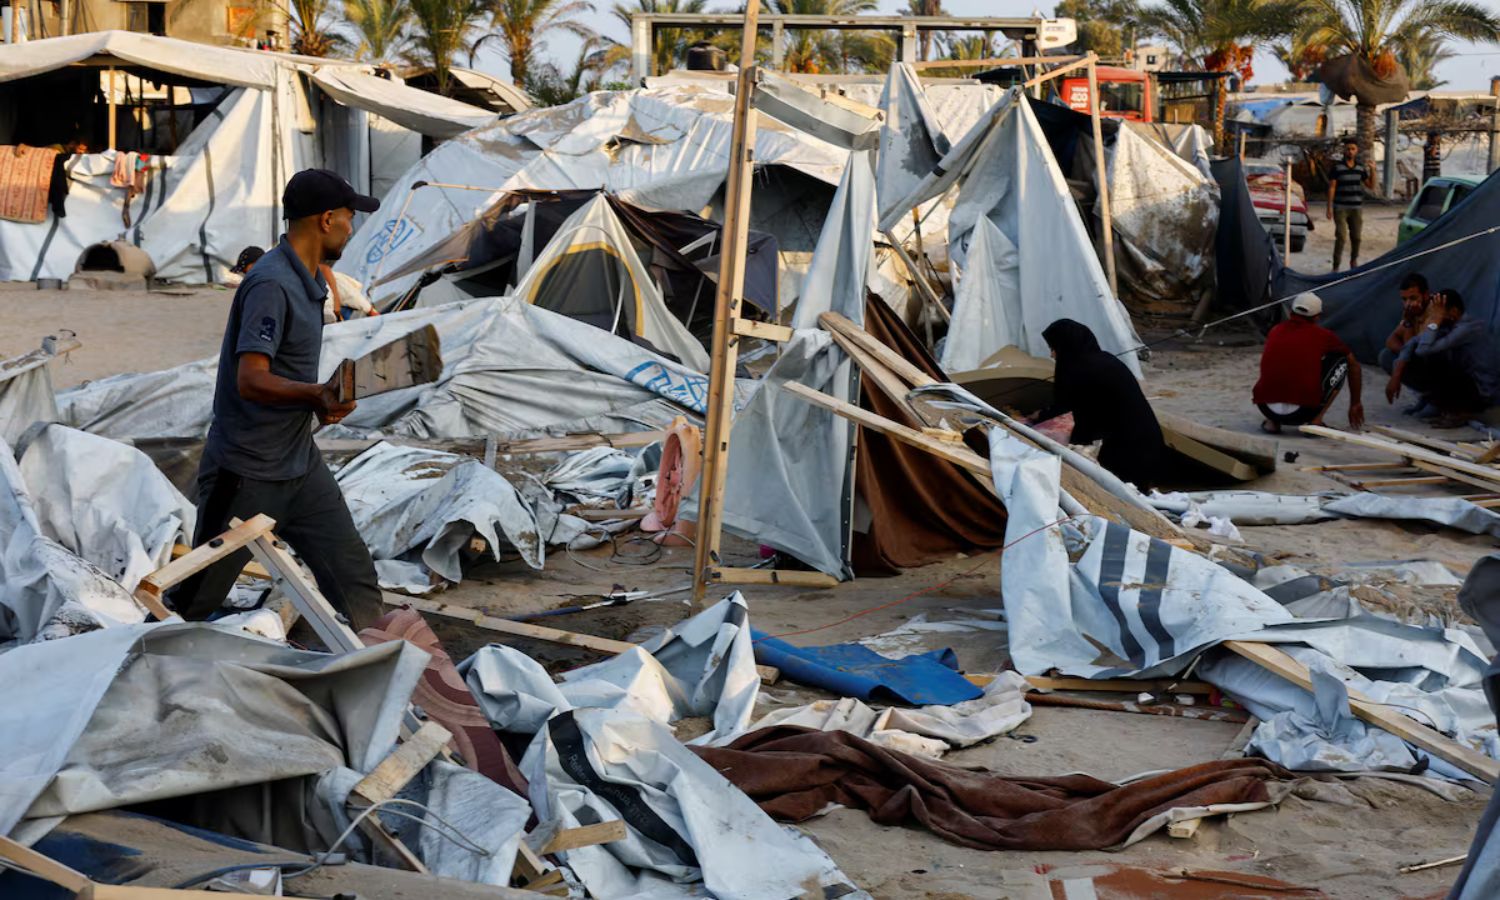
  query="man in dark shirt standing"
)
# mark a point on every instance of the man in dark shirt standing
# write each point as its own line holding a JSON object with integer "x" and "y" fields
{"x": 1347, "y": 181}
{"x": 260, "y": 456}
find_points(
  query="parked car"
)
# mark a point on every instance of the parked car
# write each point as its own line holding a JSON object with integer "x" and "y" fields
{"x": 1267, "y": 182}
{"x": 1436, "y": 197}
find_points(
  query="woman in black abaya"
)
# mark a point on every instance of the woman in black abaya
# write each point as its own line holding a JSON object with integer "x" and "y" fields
{"x": 1107, "y": 404}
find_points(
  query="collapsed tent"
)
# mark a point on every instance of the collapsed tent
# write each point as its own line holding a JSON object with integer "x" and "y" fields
{"x": 1005, "y": 173}
{"x": 229, "y": 128}
{"x": 489, "y": 255}
{"x": 665, "y": 148}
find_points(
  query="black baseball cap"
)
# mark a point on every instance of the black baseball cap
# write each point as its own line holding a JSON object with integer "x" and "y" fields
{"x": 313, "y": 192}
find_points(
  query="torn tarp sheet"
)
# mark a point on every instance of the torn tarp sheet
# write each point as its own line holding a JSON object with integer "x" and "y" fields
{"x": 411, "y": 501}
{"x": 106, "y": 502}
{"x": 853, "y": 670}
{"x": 928, "y": 730}
{"x": 508, "y": 366}
{"x": 1264, "y": 508}
{"x": 701, "y": 667}
{"x": 687, "y": 823}
{"x": 1130, "y": 604}
{"x": 40, "y": 580}
{"x": 145, "y": 712}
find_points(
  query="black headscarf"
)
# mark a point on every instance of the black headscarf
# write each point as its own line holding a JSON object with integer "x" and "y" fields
{"x": 1106, "y": 402}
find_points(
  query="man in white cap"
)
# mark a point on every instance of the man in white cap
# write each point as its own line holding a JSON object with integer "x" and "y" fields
{"x": 1302, "y": 368}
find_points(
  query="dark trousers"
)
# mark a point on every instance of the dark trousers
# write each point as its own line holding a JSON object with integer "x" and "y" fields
{"x": 311, "y": 516}
{"x": 1335, "y": 370}
{"x": 1347, "y": 225}
{"x": 1443, "y": 383}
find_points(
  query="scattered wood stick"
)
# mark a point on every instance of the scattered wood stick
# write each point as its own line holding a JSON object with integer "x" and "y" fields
{"x": 1435, "y": 864}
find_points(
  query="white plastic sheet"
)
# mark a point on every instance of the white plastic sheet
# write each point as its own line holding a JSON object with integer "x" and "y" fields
{"x": 840, "y": 266}
{"x": 125, "y": 715}
{"x": 687, "y": 823}
{"x": 106, "y": 502}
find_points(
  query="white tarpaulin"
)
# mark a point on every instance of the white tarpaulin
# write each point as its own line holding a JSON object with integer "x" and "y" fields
{"x": 1005, "y": 172}
{"x": 26, "y": 394}
{"x": 40, "y": 579}
{"x": 687, "y": 822}
{"x": 1264, "y": 508}
{"x": 421, "y": 111}
{"x": 223, "y": 65}
{"x": 508, "y": 366}
{"x": 590, "y": 271}
{"x": 912, "y": 142}
{"x": 131, "y": 714}
{"x": 840, "y": 270}
{"x": 106, "y": 502}
{"x": 702, "y": 667}
{"x": 988, "y": 312}
{"x": 666, "y": 148}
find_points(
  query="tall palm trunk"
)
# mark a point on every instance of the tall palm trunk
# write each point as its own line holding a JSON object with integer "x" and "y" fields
{"x": 1365, "y": 131}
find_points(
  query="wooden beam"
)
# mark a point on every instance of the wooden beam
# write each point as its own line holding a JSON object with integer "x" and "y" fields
{"x": 878, "y": 375}
{"x": 994, "y": 62}
{"x": 1408, "y": 451}
{"x": 1422, "y": 440}
{"x": 1184, "y": 829}
{"x": 1389, "y": 718}
{"x": 1408, "y": 481}
{"x": 1257, "y": 450}
{"x": 1489, "y": 455}
{"x": 410, "y": 757}
{"x": 1447, "y": 474}
{"x": 1077, "y": 63}
{"x": 253, "y": 569}
{"x": 1101, "y": 177}
{"x": 723, "y": 352}
{"x": 593, "y": 514}
{"x": 763, "y": 330}
{"x": 898, "y": 364}
{"x": 1359, "y": 467}
{"x": 113, "y": 107}
{"x": 1124, "y": 685}
{"x": 1214, "y": 458}
{"x": 204, "y": 555}
{"x": 506, "y": 626}
{"x": 792, "y": 578}
{"x": 585, "y": 836}
{"x": 923, "y": 288}
{"x": 43, "y": 866}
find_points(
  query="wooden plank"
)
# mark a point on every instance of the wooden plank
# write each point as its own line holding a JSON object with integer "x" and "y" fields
{"x": 763, "y": 330}
{"x": 310, "y": 602}
{"x": 585, "y": 836}
{"x": 1389, "y": 718}
{"x": 883, "y": 378}
{"x": 1422, "y": 440}
{"x": 898, "y": 364}
{"x": 768, "y": 674}
{"x": 1126, "y": 685}
{"x": 593, "y": 514}
{"x": 792, "y": 578}
{"x": 1489, "y": 455}
{"x": 1409, "y": 480}
{"x": 505, "y": 626}
{"x": 1075, "y": 65}
{"x": 134, "y": 892}
{"x": 1184, "y": 829}
{"x": 253, "y": 569}
{"x": 1257, "y": 450}
{"x": 958, "y": 454}
{"x": 994, "y": 62}
{"x": 1409, "y": 451}
{"x": 1236, "y": 748}
{"x": 1215, "y": 459}
{"x": 1445, "y": 473}
{"x": 1359, "y": 467}
{"x": 723, "y": 352}
{"x": 924, "y": 290}
{"x": 1101, "y": 174}
{"x": 410, "y": 757}
{"x": 43, "y": 866}
{"x": 201, "y": 557}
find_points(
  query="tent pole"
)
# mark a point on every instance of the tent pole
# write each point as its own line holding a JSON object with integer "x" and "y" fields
{"x": 1102, "y": 176}
{"x": 112, "y": 110}
{"x": 724, "y": 351}
{"x": 1286, "y": 215}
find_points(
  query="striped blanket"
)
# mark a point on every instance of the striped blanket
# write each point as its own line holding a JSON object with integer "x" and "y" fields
{"x": 25, "y": 173}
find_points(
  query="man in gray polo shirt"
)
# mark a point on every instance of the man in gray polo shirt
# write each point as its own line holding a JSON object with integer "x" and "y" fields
{"x": 260, "y": 457}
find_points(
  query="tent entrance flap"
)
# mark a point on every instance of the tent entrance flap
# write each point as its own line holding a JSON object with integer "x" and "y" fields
{"x": 591, "y": 283}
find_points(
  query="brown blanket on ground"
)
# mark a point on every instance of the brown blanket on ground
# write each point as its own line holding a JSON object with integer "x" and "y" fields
{"x": 793, "y": 773}
{"x": 445, "y": 698}
{"x": 25, "y": 176}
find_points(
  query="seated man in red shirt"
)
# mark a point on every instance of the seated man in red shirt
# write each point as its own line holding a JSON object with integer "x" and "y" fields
{"x": 1302, "y": 368}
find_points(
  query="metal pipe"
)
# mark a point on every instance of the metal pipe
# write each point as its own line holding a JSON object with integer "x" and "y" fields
{"x": 1286, "y": 214}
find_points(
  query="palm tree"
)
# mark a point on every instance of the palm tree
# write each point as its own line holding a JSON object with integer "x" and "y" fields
{"x": 975, "y": 46}
{"x": 827, "y": 51}
{"x": 924, "y": 38}
{"x": 444, "y": 29}
{"x": 1221, "y": 35}
{"x": 1378, "y": 30}
{"x": 521, "y": 26}
{"x": 1420, "y": 59}
{"x": 550, "y": 87}
{"x": 312, "y": 33}
{"x": 670, "y": 51}
{"x": 381, "y": 27}
{"x": 1301, "y": 54}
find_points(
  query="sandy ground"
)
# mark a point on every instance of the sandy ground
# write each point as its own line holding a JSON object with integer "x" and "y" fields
{"x": 1377, "y": 237}
{"x": 1349, "y": 842}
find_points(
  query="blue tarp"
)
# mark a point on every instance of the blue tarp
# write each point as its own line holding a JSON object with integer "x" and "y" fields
{"x": 853, "y": 670}
{"x": 1363, "y": 311}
